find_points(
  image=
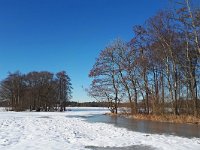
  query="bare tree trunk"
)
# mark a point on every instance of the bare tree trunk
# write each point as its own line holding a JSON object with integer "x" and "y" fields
{"x": 193, "y": 27}
{"x": 116, "y": 94}
{"x": 136, "y": 103}
{"x": 146, "y": 90}
{"x": 175, "y": 90}
{"x": 163, "y": 93}
{"x": 156, "y": 93}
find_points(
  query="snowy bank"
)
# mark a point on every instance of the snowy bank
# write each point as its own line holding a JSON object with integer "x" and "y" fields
{"x": 64, "y": 130}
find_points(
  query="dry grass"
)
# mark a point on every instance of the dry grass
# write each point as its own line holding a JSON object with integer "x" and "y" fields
{"x": 168, "y": 118}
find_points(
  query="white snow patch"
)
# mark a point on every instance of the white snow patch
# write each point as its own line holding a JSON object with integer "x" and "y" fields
{"x": 2, "y": 109}
{"x": 55, "y": 131}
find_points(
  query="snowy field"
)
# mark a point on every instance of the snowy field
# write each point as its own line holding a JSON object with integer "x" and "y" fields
{"x": 64, "y": 130}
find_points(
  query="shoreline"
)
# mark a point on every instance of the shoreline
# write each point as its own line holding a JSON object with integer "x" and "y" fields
{"x": 181, "y": 119}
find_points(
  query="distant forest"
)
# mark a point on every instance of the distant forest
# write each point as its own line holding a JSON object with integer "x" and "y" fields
{"x": 40, "y": 91}
{"x": 158, "y": 68}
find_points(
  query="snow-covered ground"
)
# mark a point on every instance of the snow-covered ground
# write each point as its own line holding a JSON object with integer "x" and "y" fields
{"x": 64, "y": 130}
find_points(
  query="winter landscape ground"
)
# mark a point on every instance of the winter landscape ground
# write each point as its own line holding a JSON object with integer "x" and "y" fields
{"x": 70, "y": 131}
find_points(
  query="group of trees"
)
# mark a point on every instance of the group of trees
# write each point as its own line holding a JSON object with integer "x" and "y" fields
{"x": 36, "y": 91}
{"x": 158, "y": 70}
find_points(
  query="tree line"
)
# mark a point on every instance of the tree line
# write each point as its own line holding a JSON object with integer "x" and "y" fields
{"x": 40, "y": 91}
{"x": 86, "y": 104}
{"x": 158, "y": 70}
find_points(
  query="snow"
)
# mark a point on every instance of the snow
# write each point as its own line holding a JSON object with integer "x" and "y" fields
{"x": 65, "y": 130}
{"x": 2, "y": 109}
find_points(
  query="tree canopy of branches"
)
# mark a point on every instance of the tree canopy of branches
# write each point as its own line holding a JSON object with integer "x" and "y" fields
{"x": 36, "y": 90}
{"x": 158, "y": 69}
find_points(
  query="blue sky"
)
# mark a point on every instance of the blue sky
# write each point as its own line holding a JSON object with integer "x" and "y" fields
{"x": 55, "y": 35}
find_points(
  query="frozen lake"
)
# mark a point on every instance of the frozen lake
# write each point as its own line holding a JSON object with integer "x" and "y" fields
{"x": 81, "y": 129}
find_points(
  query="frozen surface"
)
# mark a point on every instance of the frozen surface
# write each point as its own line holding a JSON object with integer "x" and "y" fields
{"x": 64, "y": 130}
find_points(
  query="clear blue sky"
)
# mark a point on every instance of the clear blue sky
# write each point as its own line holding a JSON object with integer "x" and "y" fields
{"x": 57, "y": 35}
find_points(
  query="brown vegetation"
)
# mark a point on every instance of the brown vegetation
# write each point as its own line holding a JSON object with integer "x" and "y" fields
{"x": 168, "y": 118}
